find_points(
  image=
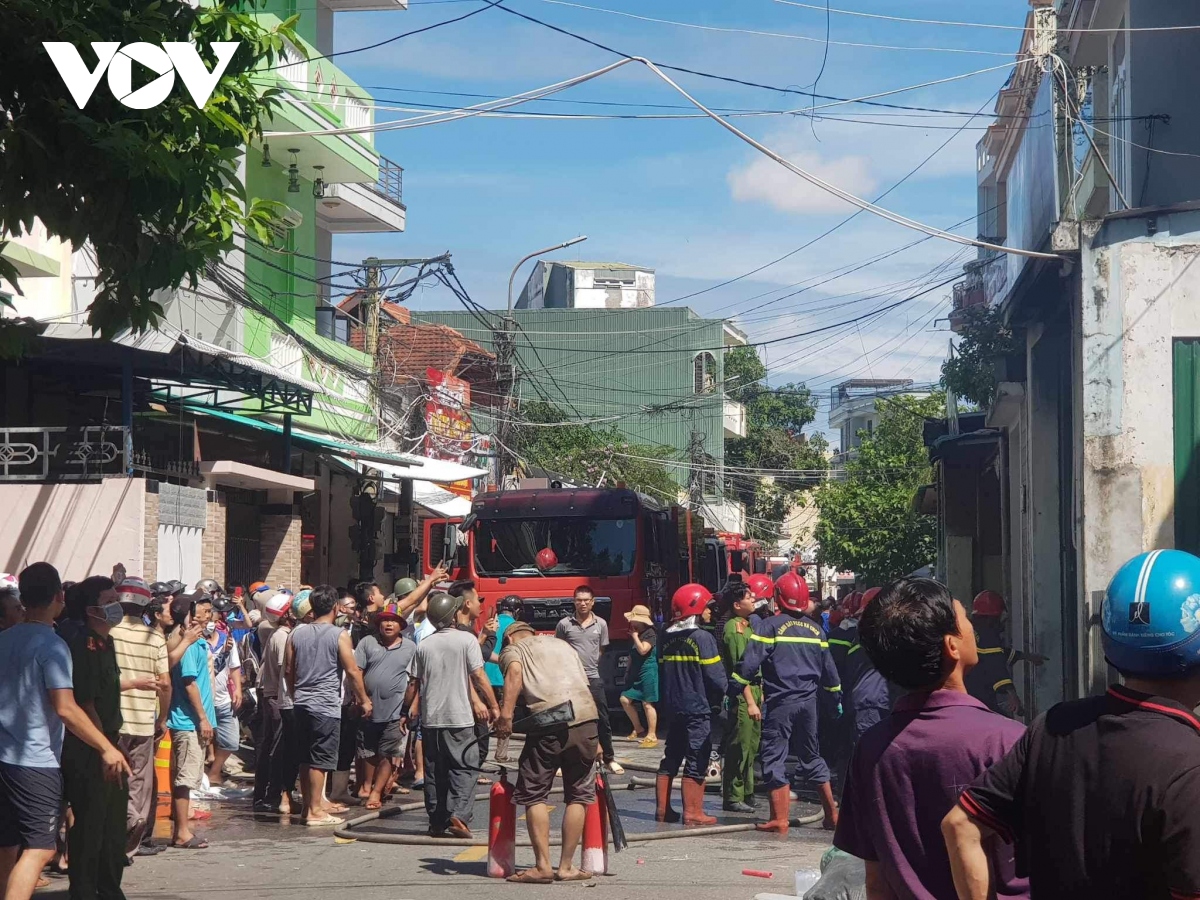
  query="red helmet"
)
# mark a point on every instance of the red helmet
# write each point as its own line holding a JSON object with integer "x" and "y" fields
{"x": 761, "y": 586}
{"x": 870, "y": 595}
{"x": 835, "y": 618}
{"x": 690, "y": 600}
{"x": 546, "y": 559}
{"x": 988, "y": 603}
{"x": 851, "y": 604}
{"x": 791, "y": 592}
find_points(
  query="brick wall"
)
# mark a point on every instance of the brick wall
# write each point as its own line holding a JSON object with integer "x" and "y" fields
{"x": 150, "y": 544}
{"x": 212, "y": 545}
{"x": 280, "y": 543}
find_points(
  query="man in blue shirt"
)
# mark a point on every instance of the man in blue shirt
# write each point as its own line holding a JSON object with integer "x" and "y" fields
{"x": 37, "y": 700}
{"x": 191, "y": 718}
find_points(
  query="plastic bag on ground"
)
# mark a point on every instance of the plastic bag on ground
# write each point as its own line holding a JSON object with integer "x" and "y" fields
{"x": 843, "y": 877}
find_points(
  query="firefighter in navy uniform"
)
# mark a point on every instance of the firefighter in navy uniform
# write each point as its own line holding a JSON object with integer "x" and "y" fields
{"x": 991, "y": 681}
{"x": 792, "y": 654}
{"x": 692, "y": 677}
{"x": 868, "y": 693}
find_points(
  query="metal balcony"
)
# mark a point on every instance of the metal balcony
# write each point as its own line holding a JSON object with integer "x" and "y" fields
{"x": 390, "y": 183}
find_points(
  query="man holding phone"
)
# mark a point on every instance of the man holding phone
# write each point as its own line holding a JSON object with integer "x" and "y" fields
{"x": 191, "y": 718}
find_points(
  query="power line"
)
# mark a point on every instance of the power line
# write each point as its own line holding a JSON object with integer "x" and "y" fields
{"x": 772, "y": 34}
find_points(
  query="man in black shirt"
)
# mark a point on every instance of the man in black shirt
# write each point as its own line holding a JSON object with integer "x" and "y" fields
{"x": 1102, "y": 795}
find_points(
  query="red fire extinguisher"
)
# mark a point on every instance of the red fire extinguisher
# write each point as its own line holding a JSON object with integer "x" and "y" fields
{"x": 502, "y": 830}
{"x": 595, "y": 833}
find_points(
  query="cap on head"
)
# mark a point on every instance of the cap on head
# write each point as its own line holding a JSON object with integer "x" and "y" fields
{"x": 441, "y": 609}
{"x": 301, "y": 606}
{"x": 390, "y": 613}
{"x": 689, "y": 600}
{"x": 135, "y": 591}
{"x": 761, "y": 586}
{"x": 1151, "y": 615}
{"x": 279, "y": 605}
{"x": 791, "y": 593}
{"x": 512, "y": 604}
{"x": 988, "y": 603}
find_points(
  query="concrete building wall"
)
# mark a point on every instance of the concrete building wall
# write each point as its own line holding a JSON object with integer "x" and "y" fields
{"x": 82, "y": 529}
{"x": 1140, "y": 292}
{"x": 212, "y": 544}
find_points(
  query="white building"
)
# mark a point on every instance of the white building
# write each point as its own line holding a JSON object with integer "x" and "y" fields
{"x": 587, "y": 285}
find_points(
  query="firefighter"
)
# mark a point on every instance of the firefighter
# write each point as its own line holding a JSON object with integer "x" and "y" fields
{"x": 868, "y": 696}
{"x": 745, "y": 733}
{"x": 691, "y": 674}
{"x": 991, "y": 681}
{"x": 836, "y": 731}
{"x": 792, "y": 653}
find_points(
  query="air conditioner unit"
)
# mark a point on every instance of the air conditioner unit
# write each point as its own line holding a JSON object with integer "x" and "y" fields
{"x": 291, "y": 218}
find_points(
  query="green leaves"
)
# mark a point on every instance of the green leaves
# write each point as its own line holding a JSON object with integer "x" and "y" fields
{"x": 970, "y": 372}
{"x": 589, "y": 453}
{"x": 154, "y": 192}
{"x": 776, "y": 418}
{"x": 867, "y": 523}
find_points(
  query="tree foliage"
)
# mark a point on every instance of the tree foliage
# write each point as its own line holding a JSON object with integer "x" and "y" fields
{"x": 586, "y": 453}
{"x": 775, "y": 422}
{"x": 867, "y": 523}
{"x": 970, "y": 372}
{"x": 154, "y": 192}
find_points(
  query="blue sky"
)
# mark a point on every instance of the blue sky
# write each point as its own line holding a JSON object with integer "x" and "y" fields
{"x": 685, "y": 197}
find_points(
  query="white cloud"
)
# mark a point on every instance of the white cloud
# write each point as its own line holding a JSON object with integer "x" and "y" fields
{"x": 763, "y": 180}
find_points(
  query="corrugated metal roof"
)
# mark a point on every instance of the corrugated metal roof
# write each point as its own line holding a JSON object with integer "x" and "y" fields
{"x": 586, "y": 264}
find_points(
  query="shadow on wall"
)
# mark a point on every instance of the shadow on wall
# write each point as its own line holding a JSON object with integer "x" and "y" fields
{"x": 75, "y": 527}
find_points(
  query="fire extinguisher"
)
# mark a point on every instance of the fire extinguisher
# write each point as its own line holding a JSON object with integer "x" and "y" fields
{"x": 502, "y": 829}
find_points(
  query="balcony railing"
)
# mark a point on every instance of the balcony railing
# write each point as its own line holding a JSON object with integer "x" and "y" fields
{"x": 390, "y": 183}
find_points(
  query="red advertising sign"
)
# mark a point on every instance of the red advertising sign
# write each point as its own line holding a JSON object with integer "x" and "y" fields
{"x": 448, "y": 432}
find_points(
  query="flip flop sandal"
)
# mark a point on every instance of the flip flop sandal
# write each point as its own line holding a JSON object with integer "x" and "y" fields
{"x": 321, "y": 823}
{"x": 199, "y": 815}
{"x": 337, "y": 808}
{"x": 530, "y": 876}
{"x": 195, "y": 843}
{"x": 648, "y": 743}
{"x": 581, "y": 875}
{"x": 372, "y": 804}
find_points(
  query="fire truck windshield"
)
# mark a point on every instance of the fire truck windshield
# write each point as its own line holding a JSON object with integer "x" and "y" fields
{"x": 582, "y": 546}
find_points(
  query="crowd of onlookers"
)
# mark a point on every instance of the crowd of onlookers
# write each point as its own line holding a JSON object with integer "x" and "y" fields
{"x": 331, "y": 697}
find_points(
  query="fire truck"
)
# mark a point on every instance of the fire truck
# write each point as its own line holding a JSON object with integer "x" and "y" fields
{"x": 627, "y": 547}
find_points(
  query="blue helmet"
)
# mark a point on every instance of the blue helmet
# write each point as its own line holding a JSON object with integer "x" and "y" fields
{"x": 1151, "y": 615}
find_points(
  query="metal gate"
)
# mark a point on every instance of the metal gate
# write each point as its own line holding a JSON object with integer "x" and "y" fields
{"x": 243, "y": 550}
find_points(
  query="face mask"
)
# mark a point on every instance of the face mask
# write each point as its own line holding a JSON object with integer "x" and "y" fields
{"x": 111, "y": 614}
{"x": 210, "y": 628}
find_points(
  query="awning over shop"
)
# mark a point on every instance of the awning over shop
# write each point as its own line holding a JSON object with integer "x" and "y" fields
{"x": 392, "y": 464}
{"x": 435, "y": 470}
{"x": 243, "y": 475}
{"x": 301, "y": 438}
{"x": 439, "y": 500}
{"x": 185, "y": 369}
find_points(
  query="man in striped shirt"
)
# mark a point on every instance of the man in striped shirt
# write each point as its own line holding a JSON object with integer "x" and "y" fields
{"x": 141, "y": 652}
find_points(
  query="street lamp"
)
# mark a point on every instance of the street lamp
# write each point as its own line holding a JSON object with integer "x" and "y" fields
{"x": 536, "y": 253}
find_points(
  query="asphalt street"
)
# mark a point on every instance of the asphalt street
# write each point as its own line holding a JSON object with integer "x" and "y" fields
{"x": 262, "y": 856}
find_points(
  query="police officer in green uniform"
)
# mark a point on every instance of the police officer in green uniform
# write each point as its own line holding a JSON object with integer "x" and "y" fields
{"x": 744, "y": 734}
{"x": 96, "y": 840}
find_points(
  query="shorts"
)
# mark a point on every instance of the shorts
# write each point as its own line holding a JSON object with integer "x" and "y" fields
{"x": 227, "y": 733}
{"x": 30, "y": 806}
{"x": 187, "y": 760}
{"x": 384, "y": 739}
{"x": 573, "y": 750}
{"x": 317, "y": 739}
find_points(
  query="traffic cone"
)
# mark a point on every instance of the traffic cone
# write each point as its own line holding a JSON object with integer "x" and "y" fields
{"x": 502, "y": 830}
{"x": 595, "y": 834}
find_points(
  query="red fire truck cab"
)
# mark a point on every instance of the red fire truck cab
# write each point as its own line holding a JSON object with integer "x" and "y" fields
{"x": 628, "y": 548}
